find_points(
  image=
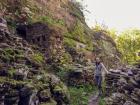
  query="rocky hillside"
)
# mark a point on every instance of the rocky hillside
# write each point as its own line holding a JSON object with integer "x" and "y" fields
{"x": 79, "y": 41}
{"x": 24, "y": 76}
{"x": 38, "y": 39}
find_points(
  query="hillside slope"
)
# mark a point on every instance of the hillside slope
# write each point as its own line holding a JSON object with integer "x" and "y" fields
{"x": 64, "y": 14}
{"x": 41, "y": 39}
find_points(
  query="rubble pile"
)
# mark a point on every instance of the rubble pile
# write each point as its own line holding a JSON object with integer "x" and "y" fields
{"x": 123, "y": 87}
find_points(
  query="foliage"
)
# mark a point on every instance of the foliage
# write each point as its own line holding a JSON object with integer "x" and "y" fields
{"x": 78, "y": 32}
{"x": 38, "y": 57}
{"x": 51, "y": 21}
{"x": 128, "y": 43}
{"x": 9, "y": 54}
{"x": 80, "y": 95}
{"x": 76, "y": 10}
{"x": 11, "y": 71}
{"x": 62, "y": 71}
{"x": 89, "y": 46}
{"x": 113, "y": 34}
{"x": 65, "y": 59}
{"x": 102, "y": 101}
{"x": 69, "y": 42}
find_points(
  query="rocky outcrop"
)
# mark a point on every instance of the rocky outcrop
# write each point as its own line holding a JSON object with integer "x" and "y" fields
{"x": 123, "y": 87}
{"x": 66, "y": 14}
{"x": 24, "y": 79}
{"x": 46, "y": 33}
{"x": 80, "y": 75}
{"x": 49, "y": 39}
{"x": 106, "y": 49}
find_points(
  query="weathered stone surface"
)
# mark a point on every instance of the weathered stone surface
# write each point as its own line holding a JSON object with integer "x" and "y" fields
{"x": 80, "y": 75}
{"x": 123, "y": 84}
{"x": 129, "y": 103}
{"x": 49, "y": 38}
{"x": 44, "y": 95}
{"x": 23, "y": 82}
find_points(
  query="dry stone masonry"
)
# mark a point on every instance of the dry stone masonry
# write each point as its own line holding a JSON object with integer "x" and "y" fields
{"x": 123, "y": 86}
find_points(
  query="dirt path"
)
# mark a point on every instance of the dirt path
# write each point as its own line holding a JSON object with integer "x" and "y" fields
{"x": 94, "y": 100}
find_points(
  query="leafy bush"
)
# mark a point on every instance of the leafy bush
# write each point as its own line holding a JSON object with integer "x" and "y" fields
{"x": 102, "y": 101}
{"x": 128, "y": 44}
{"x": 65, "y": 59}
{"x": 62, "y": 71}
{"x": 69, "y": 42}
{"x": 80, "y": 95}
{"x": 78, "y": 32}
{"x": 38, "y": 58}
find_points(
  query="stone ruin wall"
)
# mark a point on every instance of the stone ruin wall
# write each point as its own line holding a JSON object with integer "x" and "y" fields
{"x": 50, "y": 40}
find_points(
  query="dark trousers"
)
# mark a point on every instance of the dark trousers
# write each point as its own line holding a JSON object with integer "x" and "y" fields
{"x": 98, "y": 80}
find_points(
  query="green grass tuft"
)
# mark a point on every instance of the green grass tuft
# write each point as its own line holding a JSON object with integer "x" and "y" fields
{"x": 80, "y": 95}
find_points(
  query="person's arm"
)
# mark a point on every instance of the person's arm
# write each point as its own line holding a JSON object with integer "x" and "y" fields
{"x": 104, "y": 68}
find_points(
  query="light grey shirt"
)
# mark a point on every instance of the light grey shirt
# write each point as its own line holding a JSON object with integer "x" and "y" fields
{"x": 99, "y": 69}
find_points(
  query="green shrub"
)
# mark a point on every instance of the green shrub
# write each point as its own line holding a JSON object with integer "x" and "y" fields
{"x": 76, "y": 10}
{"x": 102, "y": 101}
{"x": 9, "y": 54}
{"x": 69, "y": 42}
{"x": 80, "y": 95}
{"x": 51, "y": 21}
{"x": 11, "y": 71}
{"x": 38, "y": 58}
{"x": 78, "y": 32}
{"x": 62, "y": 71}
{"x": 65, "y": 59}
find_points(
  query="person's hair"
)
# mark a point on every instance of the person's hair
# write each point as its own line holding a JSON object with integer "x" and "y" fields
{"x": 97, "y": 63}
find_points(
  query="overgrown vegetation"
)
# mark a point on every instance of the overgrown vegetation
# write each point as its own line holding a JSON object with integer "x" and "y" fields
{"x": 69, "y": 42}
{"x": 80, "y": 95}
{"x": 77, "y": 34}
{"x": 62, "y": 70}
{"x": 9, "y": 54}
{"x": 38, "y": 58}
{"x": 75, "y": 9}
{"x": 102, "y": 101}
{"x": 50, "y": 20}
{"x": 128, "y": 43}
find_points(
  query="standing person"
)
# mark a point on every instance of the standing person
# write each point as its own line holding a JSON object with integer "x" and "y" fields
{"x": 98, "y": 74}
